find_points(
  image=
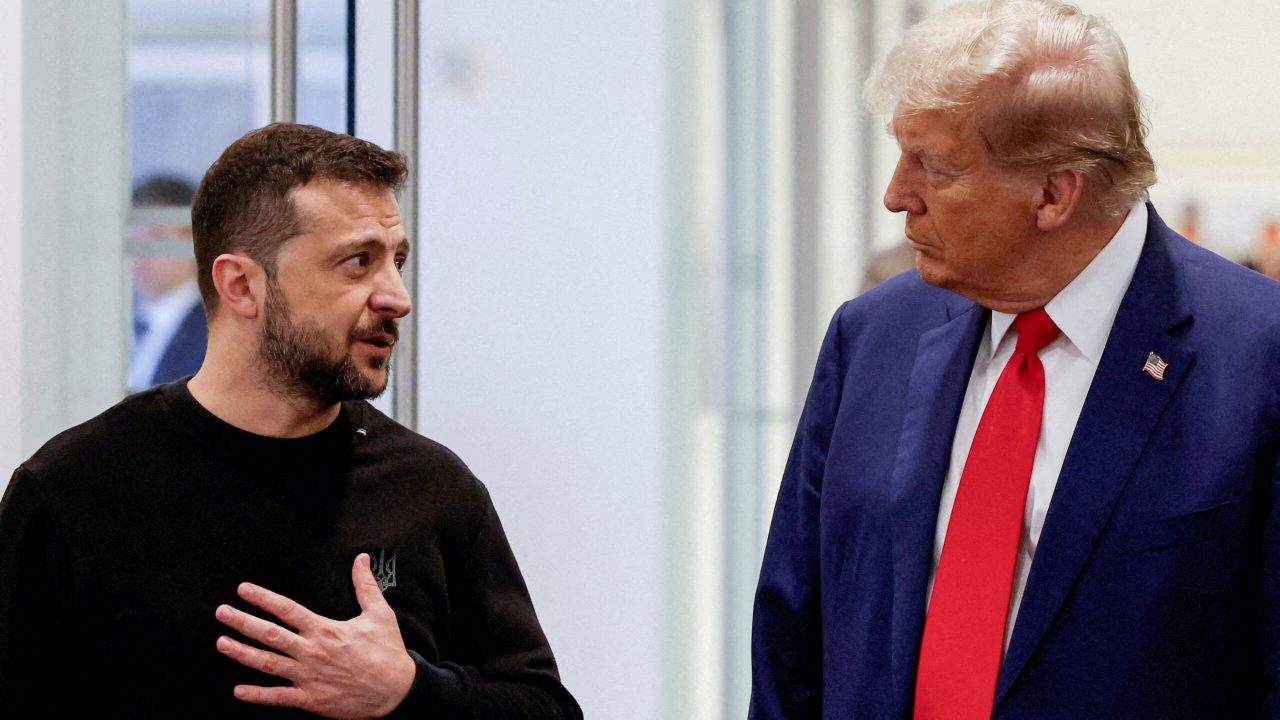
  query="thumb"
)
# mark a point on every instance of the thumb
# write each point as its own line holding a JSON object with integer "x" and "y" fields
{"x": 367, "y": 592}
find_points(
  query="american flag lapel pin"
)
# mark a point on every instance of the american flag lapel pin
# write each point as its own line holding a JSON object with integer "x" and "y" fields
{"x": 1155, "y": 366}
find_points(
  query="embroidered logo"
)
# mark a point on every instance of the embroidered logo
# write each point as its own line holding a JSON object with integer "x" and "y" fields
{"x": 384, "y": 570}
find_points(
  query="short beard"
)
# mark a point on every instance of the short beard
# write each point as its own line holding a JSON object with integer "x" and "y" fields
{"x": 297, "y": 362}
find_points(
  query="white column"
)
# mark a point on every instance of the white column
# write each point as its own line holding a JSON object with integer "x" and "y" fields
{"x": 72, "y": 173}
{"x": 541, "y": 309}
{"x": 11, "y": 156}
{"x": 693, "y": 652}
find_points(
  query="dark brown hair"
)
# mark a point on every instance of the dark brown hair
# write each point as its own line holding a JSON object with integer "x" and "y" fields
{"x": 243, "y": 202}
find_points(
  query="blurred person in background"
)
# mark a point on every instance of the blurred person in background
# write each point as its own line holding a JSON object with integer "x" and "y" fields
{"x": 887, "y": 264}
{"x": 1037, "y": 477}
{"x": 259, "y": 540}
{"x": 169, "y": 330}
{"x": 1266, "y": 259}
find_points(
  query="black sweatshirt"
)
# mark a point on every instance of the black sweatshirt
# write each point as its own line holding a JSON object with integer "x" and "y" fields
{"x": 121, "y": 536}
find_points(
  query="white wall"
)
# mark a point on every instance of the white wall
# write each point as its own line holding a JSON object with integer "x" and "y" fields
{"x": 1211, "y": 74}
{"x": 540, "y": 301}
{"x": 62, "y": 184}
{"x": 11, "y": 156}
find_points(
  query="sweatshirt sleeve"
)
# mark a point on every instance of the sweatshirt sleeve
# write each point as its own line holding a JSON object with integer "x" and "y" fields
{"x": 504, "y": 667}
{"x": 31, "y": 627}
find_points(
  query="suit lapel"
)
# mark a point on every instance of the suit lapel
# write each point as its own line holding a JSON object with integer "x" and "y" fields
{"x": 939, "y": 378}
{"x": 1121, "y": 410}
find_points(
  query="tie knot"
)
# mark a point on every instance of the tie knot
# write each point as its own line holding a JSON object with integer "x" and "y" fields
{"x": 1035, "y": 330}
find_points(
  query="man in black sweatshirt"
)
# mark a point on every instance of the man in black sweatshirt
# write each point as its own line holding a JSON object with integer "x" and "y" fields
{"x": 258, "y": 540}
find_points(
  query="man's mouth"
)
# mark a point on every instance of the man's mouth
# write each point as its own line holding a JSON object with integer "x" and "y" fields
{"x": 378, "y": 334}
{"x": 381, "y": 341}
{"x": 917, "y": 244}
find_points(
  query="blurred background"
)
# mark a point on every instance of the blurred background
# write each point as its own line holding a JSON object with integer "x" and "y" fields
{"x": 634, "y": 221}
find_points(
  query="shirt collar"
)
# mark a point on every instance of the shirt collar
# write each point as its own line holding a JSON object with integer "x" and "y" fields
{"x": 173, "y": 303}
{"x": 1086, "y": 308}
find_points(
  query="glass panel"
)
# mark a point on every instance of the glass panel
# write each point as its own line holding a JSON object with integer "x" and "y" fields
{"x": 322, "y": 64}
{"x": 200, "y": 77}
{"x": 167, "y": 337}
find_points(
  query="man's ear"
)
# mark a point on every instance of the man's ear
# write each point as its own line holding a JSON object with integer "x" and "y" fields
{"x": 241, "y": 284}
{"x": 1059, "y": 197}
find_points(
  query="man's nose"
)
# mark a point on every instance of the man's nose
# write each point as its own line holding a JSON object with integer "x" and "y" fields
{"x": 899, "y": 196}
{"x": 391, "y": 297}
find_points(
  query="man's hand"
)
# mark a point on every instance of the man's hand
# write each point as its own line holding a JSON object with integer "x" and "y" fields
{"x": 353, "y": 669}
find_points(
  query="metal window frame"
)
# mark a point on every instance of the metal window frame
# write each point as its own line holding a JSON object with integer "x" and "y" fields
{"x": 404, "y": 401}
{"x": 284, "y": 60}
{"x": 284, "y": 81}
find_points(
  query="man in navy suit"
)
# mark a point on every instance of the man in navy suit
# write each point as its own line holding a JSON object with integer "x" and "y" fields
{"x": 169, "y": 329}
{"x": 1036, "y": 478}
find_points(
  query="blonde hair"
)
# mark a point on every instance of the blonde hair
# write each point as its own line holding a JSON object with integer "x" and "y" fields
{"x": 1047, "y": 86}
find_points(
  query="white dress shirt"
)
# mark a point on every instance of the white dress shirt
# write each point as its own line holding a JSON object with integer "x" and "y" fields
{"x": 1084, "y": 311}
{"x": 162, "y": 316}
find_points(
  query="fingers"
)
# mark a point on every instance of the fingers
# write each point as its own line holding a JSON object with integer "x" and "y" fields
{"x": 274, "y": 696}
{"x": 367, "y": 592}
{"x": 261, "y": 660}
{"x": 293, "y": 614}
{"x": 267, "y": 633}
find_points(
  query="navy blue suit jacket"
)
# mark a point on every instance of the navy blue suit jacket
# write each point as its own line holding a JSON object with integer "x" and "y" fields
{"x": 1155, "y": 589}
{"x": 185, "y": 351}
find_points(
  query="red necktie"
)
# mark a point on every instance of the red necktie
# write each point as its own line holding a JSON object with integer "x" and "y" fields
{"x": 964, "y": 629}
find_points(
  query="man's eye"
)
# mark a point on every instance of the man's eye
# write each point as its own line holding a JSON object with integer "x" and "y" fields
{"x": 937, "y": 176}
{"x": 400, "y": 261}
{"x": 359, "y": 261}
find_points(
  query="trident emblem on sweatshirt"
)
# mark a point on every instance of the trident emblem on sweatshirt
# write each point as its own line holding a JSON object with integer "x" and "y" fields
{"x": 384, "y": 570}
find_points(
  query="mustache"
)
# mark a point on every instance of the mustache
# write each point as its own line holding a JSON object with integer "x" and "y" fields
{"x": 384, "y": 328}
